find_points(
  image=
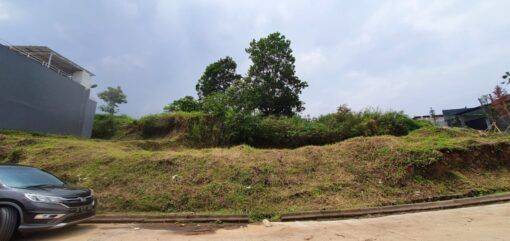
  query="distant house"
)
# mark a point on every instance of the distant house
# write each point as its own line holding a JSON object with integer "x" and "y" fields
{"x": 435, "y": 119}
{"x": 42, "y": 91}
{"x": 474, "y": 117}
{"x": 493, "y": 113}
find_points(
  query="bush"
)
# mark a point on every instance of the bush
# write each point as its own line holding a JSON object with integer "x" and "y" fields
{"x": 369, "y": 123}
{"x": 292, "y": 132}
{"x": 297, "y": 131}
{"x": 186, "y": 103}
{"x": 196, "y": 128}
{"x": 14, "y": 156}
{"x": 157, "y": 125}
{"x": 222, "y": 125}
{"x": 107, "y": 126}
{"x": 241, "y": 128}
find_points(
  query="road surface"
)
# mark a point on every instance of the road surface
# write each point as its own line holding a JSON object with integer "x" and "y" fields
{"x": 491, "y": 222}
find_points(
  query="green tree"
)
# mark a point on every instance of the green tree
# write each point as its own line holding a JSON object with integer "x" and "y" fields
{"x": 186, "y": 104}
{"x": 217, "y": 77}
{"x": 236, "y": 124}
{"x": 273, "y": 76}
{"x": 216, "y": 104}
{"x": 112, "y": 97}
{"x": 243, "y": 96}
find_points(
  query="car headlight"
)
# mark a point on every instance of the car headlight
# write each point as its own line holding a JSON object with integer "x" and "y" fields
{"x": 42, "y": 198}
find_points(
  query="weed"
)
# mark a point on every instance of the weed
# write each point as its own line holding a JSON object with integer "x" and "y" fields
{"x": 14, "y": 156}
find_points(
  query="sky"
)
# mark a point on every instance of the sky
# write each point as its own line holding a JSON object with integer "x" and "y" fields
{"x": 393, "y": 55}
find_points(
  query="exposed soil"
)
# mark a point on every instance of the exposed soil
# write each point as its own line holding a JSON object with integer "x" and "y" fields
{"x": 191, "y": 228}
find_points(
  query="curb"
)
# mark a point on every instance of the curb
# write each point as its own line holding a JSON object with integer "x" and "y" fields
{"x": 303, "y": 216}
{"x": 394, "y": 209}
{"x": 171, "y": 219}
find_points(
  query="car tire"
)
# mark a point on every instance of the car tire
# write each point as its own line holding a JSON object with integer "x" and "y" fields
{"x": 8, "y": 223}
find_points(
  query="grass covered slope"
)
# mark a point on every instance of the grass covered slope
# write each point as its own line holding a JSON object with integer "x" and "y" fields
{"x": 146, "y": 176}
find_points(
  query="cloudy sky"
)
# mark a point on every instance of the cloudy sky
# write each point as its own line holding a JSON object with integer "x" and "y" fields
{"x": 400, "y": 55}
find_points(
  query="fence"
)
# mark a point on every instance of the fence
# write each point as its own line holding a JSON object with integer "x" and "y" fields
{"x": 27, "y": 54}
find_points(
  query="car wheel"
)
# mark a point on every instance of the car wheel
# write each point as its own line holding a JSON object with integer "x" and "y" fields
{"x": 8, "y": 223}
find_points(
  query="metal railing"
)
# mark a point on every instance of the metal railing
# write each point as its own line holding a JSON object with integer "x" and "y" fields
{"x": 27, "y": 54}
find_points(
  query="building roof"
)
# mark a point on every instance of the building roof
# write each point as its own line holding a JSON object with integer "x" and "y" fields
{"x": 43, "y": 53}
{"x": 426, "y": 116}
{"x": 451, "y": 112}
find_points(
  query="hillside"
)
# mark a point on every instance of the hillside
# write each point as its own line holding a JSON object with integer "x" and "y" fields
{"x": 158, "y": 176}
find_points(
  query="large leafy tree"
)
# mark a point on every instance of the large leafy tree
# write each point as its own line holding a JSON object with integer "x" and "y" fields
{"x": 273, "y": 76}
{"x": 112, "y": 97}
{"x": 217, "y": 77}
{"x": 243, "y": 96}
{"x": 186, "y": 104}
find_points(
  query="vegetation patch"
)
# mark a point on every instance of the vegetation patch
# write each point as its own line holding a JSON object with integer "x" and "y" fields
{"x": 199, "y": 129}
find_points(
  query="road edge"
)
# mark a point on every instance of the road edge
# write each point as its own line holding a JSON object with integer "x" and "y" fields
{"x": 313, "y": 215}
{"x": 395, "y": 209}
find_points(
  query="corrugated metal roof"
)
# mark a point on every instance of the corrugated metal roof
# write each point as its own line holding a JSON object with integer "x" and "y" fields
{"x": 458, "y": 111}
{"x": 57, "y": 60}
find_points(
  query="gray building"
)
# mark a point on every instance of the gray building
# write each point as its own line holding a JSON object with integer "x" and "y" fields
{"x": 435, "y": 119}
{"x": 474, "y": 117}
{"x": 42, "y": 91}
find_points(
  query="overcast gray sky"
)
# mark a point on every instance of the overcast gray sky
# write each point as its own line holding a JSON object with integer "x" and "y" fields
{"x": 401, "y": 55}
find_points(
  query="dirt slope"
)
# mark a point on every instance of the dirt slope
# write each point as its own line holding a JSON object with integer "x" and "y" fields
{"x": 155, "y": 176}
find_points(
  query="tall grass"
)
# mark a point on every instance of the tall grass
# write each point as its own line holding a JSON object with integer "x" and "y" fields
{"x": 200, "y": 130}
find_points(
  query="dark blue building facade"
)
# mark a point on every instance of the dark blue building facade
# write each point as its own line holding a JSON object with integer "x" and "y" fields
{"x": 36, "y": 98}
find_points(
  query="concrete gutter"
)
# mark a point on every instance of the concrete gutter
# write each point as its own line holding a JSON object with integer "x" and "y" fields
{"x": 321, "y": 215}
{"x": 171, "y": 219}
{"x": 394, "y": 209}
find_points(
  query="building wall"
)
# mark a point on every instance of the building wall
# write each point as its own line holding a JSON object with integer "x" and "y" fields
{"x": 439, "y": 120}
{"x": 35, "y": 98}
{"x": 90, "y": 111}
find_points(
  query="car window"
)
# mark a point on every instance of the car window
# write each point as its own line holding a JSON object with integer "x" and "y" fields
{"x": 23, "y": 177}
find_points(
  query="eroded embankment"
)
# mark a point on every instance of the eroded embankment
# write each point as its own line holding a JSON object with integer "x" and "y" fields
{"x": 477, "y": 157}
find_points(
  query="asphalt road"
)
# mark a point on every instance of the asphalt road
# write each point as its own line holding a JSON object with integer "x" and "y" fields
{"x": 491, "y": 222}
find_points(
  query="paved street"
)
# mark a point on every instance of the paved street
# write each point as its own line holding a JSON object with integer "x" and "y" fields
{"x": 491, "y": 222}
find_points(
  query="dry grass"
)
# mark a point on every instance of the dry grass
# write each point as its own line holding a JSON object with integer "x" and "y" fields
{"x": 157, "y": 176}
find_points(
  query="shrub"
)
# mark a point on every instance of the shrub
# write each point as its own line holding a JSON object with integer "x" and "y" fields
{"x": 216, "y": 104}
{"x": 107, "y": 126}
{"x": 196, "y": 128}
{"x": 156, "y": 125}
{"x": 222, "y": 125}
{"x": 14, "y": 156}
{"x": 186, "y": 103}
{"x": 369, "y": 123}
{"x": 241, "y": 128}
{"x": 206, "y": 130}
{"x": 292, "y": 132}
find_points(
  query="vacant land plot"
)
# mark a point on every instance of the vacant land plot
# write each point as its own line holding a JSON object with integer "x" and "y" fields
{"x": 159, "y": 176}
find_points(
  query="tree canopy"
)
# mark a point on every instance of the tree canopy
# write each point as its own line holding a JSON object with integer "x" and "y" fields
{"x": 217, "y": 77}
{"x": 186, "y": 104}
{"x": 112, "y": 97}
{"x": 271, "y": 86}
{"x": 273, "y": 77}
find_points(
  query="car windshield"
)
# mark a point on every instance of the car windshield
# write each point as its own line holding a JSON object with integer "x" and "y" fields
{"x": 25, "y": 177}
